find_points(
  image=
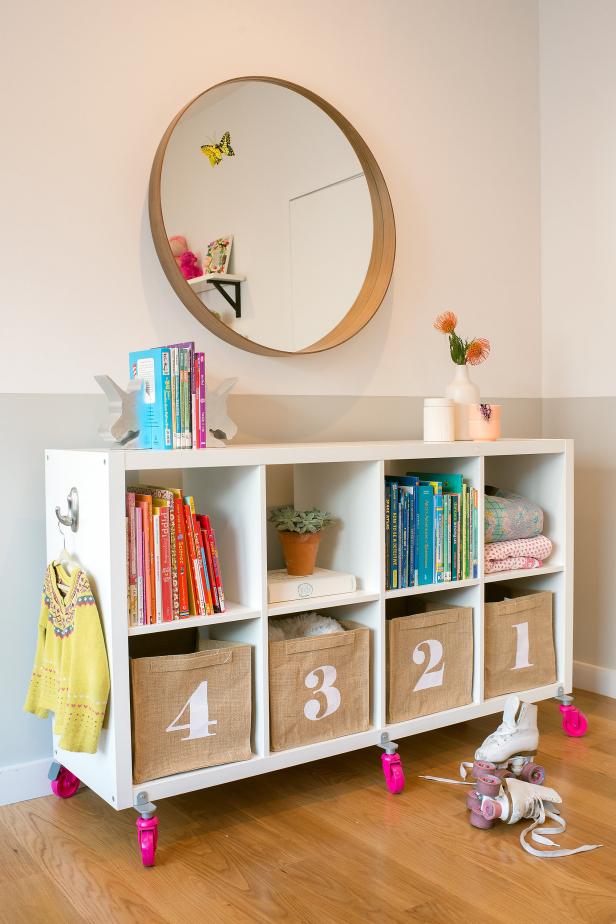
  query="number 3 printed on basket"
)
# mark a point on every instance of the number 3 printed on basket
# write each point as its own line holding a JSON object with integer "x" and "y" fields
{"x": 330, "y": 695}
{"x": 198, "y": 716}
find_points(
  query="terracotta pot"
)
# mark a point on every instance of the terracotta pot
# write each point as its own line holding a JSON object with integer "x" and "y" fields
{"x": 300, "y": 551}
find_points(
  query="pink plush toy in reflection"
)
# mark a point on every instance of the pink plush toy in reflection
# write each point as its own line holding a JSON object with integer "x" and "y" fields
{"x": 178, "y": 246}
{"x": 189, "y": 265}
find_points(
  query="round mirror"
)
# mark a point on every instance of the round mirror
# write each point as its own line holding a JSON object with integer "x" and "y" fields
{"x": 271, "y": 218}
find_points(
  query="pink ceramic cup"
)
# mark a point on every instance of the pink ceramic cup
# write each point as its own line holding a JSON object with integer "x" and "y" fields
{"x": 484, "y": 421}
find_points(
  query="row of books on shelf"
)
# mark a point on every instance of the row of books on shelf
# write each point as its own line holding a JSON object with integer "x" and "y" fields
{"x": 172, "y": 410}
{"x": 172, "y": 558}
{"x": 431, "y": 530}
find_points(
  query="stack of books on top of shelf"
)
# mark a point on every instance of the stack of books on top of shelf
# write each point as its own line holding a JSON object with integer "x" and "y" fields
{"x": 172, "y": 558}
{"x": 431, "y": 530}
{"x": 172, "y": 412}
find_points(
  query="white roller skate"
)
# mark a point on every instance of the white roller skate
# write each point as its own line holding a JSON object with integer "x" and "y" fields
{"x": 512, "y": 800}
{"x": 510, "y": 750}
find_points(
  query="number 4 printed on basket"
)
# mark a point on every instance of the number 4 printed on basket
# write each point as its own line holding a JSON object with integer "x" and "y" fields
{"x": 198, "y": 716}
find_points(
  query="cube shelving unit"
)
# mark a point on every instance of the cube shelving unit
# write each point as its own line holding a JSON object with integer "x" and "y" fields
{"x": 235, "y": 486}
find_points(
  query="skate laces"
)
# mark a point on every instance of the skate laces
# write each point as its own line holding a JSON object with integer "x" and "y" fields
{"x": 536, "y": 809}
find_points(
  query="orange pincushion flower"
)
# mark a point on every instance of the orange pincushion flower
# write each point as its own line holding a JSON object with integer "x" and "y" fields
{"x": 477, "y": 351}
{"x": 446, "y": 322}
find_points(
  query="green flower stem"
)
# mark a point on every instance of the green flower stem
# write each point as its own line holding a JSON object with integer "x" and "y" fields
{"x": 457, "y": 348}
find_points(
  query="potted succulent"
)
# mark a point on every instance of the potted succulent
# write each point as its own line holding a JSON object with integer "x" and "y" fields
{"x": 300, "y": 534}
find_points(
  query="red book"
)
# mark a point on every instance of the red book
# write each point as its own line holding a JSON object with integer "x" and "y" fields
{"x": 181, "y": 556}
{"x": 215, "y": 561}
{"x": 210, "y": 564}
{"x": 194, "y": 557}
{"x": 165, "y": 564}
{"x": 207, "y": 585}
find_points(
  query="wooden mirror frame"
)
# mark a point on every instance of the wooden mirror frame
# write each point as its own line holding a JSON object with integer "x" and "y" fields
{"x": 381, "y": 263}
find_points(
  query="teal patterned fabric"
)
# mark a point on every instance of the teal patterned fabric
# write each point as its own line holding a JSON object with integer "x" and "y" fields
{"x": 510, "y": 516}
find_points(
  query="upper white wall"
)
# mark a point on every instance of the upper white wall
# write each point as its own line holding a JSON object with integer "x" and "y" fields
{"x": 445, "y": 94}
{"x": 578, "y": 196}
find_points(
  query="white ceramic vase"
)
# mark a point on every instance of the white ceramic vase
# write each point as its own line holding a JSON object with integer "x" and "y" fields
{"x": 464, "y": 393}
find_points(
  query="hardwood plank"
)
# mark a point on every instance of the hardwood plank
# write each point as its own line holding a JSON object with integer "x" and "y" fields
{"x": 326, "y": 843}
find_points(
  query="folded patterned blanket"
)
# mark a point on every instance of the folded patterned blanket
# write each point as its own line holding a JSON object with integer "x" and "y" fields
{"x": 516, "y": 553}
{"x": 510, "y": 516}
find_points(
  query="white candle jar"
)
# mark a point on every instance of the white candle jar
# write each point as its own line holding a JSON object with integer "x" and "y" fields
{"x": 439, "y": 421}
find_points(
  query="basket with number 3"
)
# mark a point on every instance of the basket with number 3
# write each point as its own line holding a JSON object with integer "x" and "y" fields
{"x": 191, "y": 710}
{"x": 319, "y": 687}
{"x": 429, "y": 662}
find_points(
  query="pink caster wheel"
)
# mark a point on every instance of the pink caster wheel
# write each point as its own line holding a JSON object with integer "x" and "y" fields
{"x": 488, "y": 785}
{"x": 147, "y": 834}
{"x": 394, "y": 774}
{"x": 65, "y": 784}
{"x": 575, "y": 723}
{"x": 533, "y": 773}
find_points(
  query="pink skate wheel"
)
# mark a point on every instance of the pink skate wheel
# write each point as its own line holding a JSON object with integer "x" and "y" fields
{"x": 533, "y": 773}
{"x": 491, "y": 809}
{"x": 473, "y": 801}
{"x": 488, "y": 785}
{"x": 147, "y": 834}
{"x": 478, "y": 821}
{"x": 65, "y": 784}
{"x": 503, "y": 774}
{"x": 481, "y": 767}
{"x": 575, "y": 723}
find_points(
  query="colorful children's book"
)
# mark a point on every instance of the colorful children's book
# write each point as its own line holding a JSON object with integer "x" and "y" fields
{"x": 425, "y": 534}
{"x": 155, "y": 423}
{"x": 141, "y": 611}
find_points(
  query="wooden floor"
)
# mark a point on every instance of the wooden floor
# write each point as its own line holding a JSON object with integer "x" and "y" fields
{"x": 326, "y": 843}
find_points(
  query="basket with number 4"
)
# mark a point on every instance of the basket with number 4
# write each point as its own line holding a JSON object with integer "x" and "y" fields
{"x": 191, "y": 710}
{"x": 319, "y": 687}
{"x": 519, "y": 641}
{"x": 429, "y": 662}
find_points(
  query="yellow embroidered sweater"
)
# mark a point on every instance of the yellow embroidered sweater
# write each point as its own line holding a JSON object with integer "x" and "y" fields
{"x": 70, "y": 674}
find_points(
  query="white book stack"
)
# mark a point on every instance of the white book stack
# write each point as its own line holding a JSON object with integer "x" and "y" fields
{"x": 282, "y": 587}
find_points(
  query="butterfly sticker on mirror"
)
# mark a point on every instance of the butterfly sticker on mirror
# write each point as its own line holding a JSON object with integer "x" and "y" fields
{"x": 215, "y": 152}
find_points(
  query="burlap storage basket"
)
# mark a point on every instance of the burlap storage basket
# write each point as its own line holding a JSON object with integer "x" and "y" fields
{"x": 519, "y": 644}
{"x": 319, "y": 687}
{"x": 429, "y": 662}
{"x": 191, "y": 710}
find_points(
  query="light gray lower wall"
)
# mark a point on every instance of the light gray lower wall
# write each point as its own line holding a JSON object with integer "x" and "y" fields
{"x": 31, "y": 423}
{"x": 590, "y": 422}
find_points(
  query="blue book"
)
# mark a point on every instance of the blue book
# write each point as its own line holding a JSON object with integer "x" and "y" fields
{"x": 393, "y": 532}
{"x": 153, "y": 367}
{"x": 387, "y": 538}
{"x": 424, "y": 529}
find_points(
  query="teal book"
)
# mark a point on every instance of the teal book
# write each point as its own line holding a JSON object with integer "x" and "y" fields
{"x": 424, "y": 528}
{"x": 452, "y": 484}
{"x": 153, "y": 367}
{"x": 455, "y": 532}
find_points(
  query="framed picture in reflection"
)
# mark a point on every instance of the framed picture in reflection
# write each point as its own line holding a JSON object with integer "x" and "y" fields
{"x": 218, "y": 255}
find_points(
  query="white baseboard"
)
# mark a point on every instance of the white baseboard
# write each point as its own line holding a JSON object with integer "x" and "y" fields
{"x": 594, "y": 678}
{"x": 24, "y": 781}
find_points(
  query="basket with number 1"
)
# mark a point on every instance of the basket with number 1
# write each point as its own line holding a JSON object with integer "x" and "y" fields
{"x": 429, "y": 662}
{"x": 319, "y": 687}
{"x": 191, "y": 710}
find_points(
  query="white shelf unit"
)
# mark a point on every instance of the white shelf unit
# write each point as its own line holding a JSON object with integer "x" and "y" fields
{"x": 236, "y": 485}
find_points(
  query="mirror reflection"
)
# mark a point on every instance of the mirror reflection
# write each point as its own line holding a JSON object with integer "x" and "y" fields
{"x": 268, "y": 212}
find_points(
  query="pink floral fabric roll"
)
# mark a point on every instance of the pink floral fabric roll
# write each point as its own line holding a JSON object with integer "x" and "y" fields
{"x": 516, "y": 554}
